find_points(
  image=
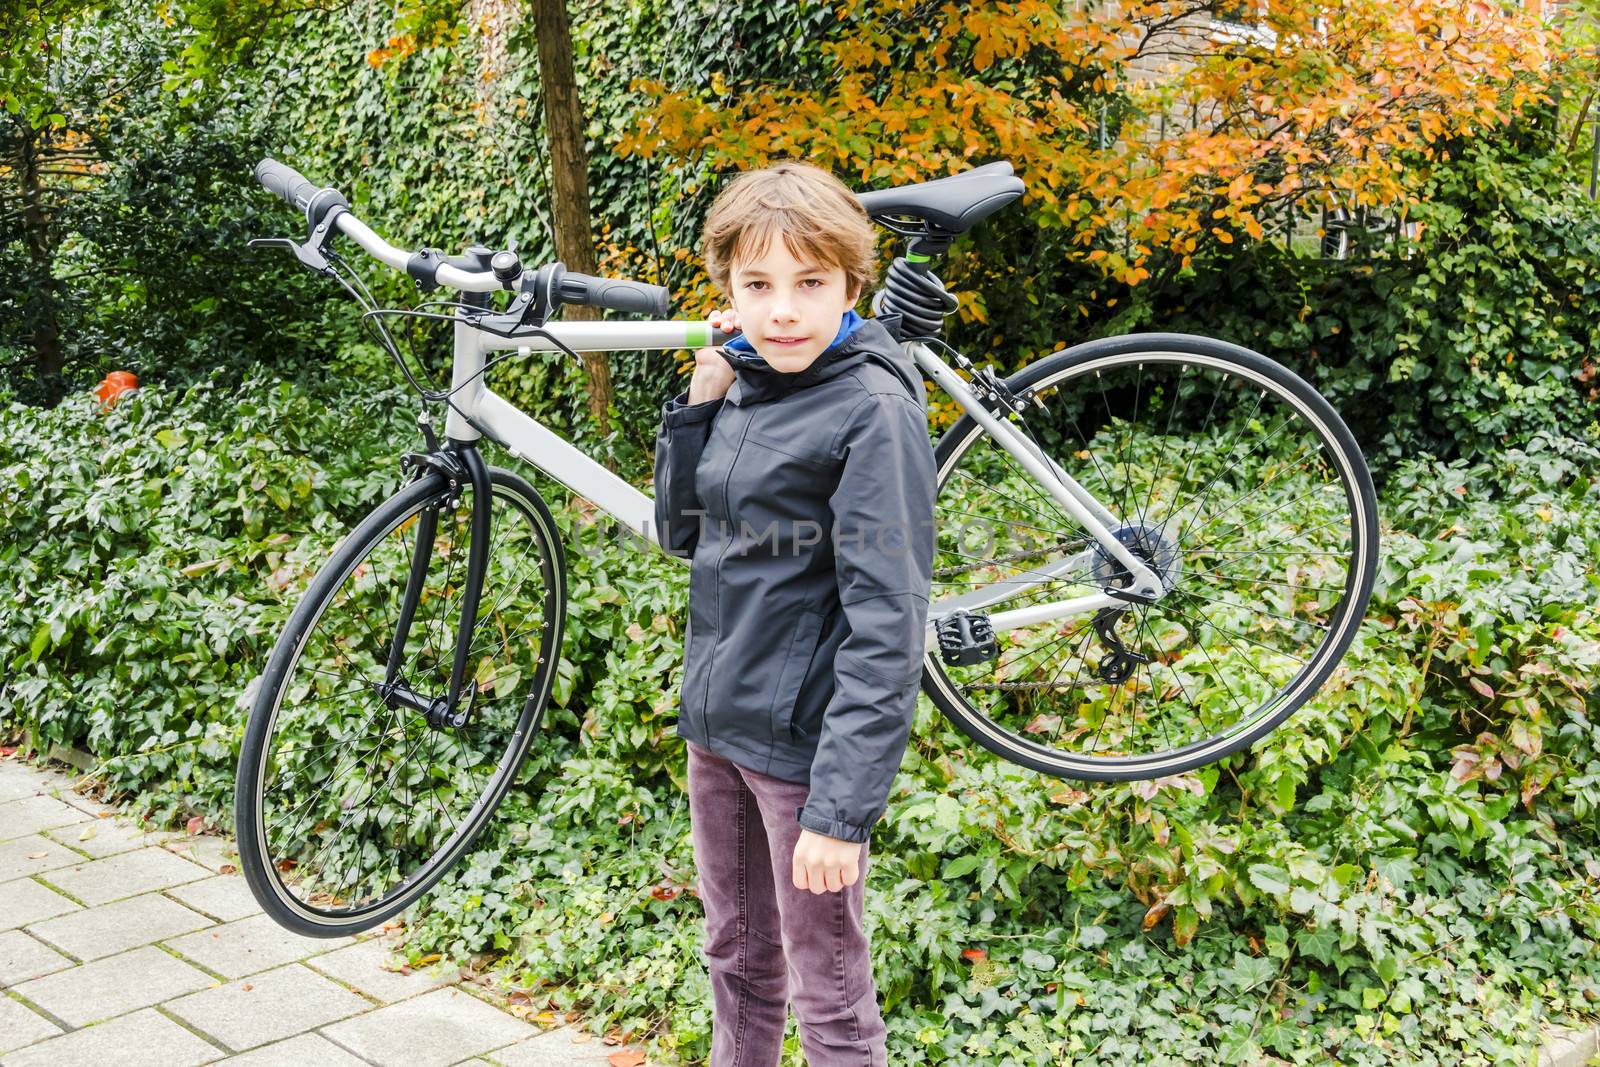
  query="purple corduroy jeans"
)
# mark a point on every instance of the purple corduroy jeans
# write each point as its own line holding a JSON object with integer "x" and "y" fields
{"x": 768, "y": 944}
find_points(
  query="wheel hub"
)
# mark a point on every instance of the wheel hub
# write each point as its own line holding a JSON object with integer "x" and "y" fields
{"x": 1154, "y": 547}
{"x": 435, "y": 711}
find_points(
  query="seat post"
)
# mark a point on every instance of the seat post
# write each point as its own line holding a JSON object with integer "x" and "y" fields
{"x": 924, "y": 247}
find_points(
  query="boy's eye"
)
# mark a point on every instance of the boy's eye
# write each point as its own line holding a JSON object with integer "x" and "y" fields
{"x": 812, "y": 282}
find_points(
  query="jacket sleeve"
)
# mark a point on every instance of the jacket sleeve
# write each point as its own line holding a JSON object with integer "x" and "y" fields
{"x": 883, "y": 552}
{"x": 685, "y": 427}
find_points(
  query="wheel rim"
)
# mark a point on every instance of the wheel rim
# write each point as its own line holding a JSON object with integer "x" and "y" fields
{"x": 359, "y": 803}
{"x": 1293, "y": 555}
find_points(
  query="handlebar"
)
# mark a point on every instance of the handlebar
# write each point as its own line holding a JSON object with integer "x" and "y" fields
{"x": 319, "y": 203}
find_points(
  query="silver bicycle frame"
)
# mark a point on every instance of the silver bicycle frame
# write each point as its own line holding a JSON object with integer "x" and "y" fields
{"x": 477, "y": 411}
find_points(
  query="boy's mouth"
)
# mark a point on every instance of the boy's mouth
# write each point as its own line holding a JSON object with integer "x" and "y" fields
{"x": 785, "y": 340}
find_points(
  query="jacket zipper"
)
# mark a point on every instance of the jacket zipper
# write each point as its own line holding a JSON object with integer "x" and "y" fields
{"x": 705, "y": 696}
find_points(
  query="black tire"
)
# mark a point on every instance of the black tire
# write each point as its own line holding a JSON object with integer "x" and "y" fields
{"x": 392, "y": 517}
{"x": 1360, "y": 496}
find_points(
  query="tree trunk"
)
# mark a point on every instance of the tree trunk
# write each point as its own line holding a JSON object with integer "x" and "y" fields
{"x": 569, "y": 170}
{"x": 48, "y": 357}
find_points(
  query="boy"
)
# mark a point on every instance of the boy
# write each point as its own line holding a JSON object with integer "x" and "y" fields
{"x": 797, "y": 475}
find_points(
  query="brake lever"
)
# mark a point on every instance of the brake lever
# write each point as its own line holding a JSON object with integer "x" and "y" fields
{"x": 311, "y": 257}
{"x": 313, "y": 252}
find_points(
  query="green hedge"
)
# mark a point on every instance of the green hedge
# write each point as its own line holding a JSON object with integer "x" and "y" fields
{"x": 1479, "y": 335}
{"x": 1403, "y": 873}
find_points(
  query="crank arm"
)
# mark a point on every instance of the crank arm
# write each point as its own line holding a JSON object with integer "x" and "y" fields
{"x": 1031, "y": 615}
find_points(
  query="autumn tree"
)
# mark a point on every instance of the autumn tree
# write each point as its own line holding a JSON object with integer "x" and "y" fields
{"x": 1317, "y": 103}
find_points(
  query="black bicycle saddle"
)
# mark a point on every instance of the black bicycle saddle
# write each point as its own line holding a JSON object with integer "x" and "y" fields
{"x": 954, "y": 204}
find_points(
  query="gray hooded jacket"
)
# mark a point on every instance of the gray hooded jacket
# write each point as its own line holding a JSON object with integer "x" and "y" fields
{"x": 804, "y": 502}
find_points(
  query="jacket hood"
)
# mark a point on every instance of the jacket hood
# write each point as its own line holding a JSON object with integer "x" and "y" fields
{"x": 757, "y": 380}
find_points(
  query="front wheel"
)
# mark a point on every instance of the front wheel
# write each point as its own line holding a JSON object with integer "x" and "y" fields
{"x": 1225, "y": 474}
{"x": 352, "y": 800}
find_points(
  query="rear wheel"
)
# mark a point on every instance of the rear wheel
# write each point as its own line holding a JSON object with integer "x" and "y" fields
{"x": 350, "y": 805}
{"x": 1226, "y": 474}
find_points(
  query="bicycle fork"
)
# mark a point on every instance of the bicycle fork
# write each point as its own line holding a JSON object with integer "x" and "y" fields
{"x": 453, "y": 466}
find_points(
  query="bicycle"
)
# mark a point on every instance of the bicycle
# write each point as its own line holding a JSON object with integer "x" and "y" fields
{"x": 1134, "y": 637}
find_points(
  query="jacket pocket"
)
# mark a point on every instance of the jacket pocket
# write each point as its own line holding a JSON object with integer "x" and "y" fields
{"x": 802, "y": 647}
{"x": 690, "y": 704}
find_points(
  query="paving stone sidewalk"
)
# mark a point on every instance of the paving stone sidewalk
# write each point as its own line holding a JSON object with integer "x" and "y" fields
{"x": 121, "y": 946}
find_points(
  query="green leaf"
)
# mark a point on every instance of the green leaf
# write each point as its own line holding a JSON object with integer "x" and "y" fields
{"x": 961, "y": 866}
{"x": 1321, "y": 943}
{"x": 1285, "y": 792}
{"x": 1269, "y": 878}
{"x": 40, "y": 642}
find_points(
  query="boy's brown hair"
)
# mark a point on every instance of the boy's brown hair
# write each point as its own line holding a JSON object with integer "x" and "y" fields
{"x": 817, "y": 216}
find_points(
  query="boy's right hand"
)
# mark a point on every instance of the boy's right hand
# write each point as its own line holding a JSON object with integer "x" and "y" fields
{"x": 712, "y": 376}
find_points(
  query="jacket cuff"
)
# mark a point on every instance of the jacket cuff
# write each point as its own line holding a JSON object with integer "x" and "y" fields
{"x": 844, "y": 831}
{"x": 678, "y": 410}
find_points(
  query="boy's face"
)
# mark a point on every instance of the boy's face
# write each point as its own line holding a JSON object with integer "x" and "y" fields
{"x": 788, "y": 308}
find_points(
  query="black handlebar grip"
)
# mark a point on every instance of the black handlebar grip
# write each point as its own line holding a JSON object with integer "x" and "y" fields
{"x": 618, "y": 294}
{"x": 286, "y": 182}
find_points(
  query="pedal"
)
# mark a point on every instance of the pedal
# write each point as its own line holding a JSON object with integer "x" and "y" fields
{"x": 965, "y": 638}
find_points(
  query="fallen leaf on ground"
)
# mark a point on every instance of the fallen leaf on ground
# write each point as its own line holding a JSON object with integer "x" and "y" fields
{"x": 194, "y": 825}
{"x": 88, "y": 832}
{"x": 626, "y": 1058}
